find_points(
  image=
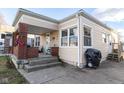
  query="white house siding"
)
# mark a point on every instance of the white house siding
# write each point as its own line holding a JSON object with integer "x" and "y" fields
{"x": 97, "y": 42}
{"x": 54, "y": 38}
{"x": 42, "y": 41}
{"x": 53, "y": 42}
{"x": 68, "y": 54}
{"x": 115, "y": 38}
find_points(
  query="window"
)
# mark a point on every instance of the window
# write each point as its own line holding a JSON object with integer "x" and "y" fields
{"x": 64, "y": 38}
{"x": 87, "y": 36}
{"x": 104, "y": 38}
{"x": 2, "y": 36}
{"x": 37, "y": 43}
{"x": 1, "y": 43}
{"x": 73, "y": 37}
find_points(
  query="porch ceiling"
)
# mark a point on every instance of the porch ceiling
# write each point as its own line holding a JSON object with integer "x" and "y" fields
{"x": 38, "y": 30}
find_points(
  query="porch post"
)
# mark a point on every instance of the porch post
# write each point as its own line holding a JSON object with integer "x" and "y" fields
{"x": 22, "y": 48}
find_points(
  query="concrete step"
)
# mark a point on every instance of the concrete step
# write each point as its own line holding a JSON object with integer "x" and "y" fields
{"x": 29, "y": 68}
{"x": 113, "y": 57}
{"x": 44, "y": 60}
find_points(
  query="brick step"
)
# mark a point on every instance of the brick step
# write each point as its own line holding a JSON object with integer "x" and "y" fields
{"x": 29, "y": 68}
{"x": 43, "y": 60}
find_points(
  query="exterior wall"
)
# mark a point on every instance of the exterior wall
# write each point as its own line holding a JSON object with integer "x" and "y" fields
{"x": 20, "y": 50}
{"x": 115, "y": 38}
{"x": 68, "y": 54}
{"x": 96, "y": 34}
{"x": 16, "y": 51}
{"x": 42, "y": 41}
{"x": 97, "y": 43}
{"x": 54, "y": 39}
{"x": 6, "y": 28}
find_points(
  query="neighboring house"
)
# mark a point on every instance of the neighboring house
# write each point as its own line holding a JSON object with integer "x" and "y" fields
{"x": 1, "y": 42}
{"x": 70, "y": 37}
{"x": 5, "y": 38}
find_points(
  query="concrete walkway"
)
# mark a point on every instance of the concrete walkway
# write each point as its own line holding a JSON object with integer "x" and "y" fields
{"x": 107, "y": 73}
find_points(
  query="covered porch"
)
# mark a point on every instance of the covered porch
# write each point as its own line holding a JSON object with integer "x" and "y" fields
{"x": 31, "y": 41}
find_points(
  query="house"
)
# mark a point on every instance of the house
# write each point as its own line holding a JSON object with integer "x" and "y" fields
{"x": 68, "y": 38}
{"x": 5, "y": 38}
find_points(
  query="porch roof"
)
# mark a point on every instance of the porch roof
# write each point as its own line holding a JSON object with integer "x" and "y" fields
{"x": 34, "y": 19}
{"x": 21, "y": 11}
{"x": 38, "y": 30}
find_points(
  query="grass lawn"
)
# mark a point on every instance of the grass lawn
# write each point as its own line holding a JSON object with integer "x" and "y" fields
{"x": 9, "y": 75}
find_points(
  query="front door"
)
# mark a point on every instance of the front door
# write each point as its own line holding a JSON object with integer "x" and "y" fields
{"x": 109, "y": 43}
{"x": 47, "y": 47}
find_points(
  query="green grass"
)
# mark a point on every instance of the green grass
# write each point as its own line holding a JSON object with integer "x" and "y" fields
{"x": 11, "y": 74}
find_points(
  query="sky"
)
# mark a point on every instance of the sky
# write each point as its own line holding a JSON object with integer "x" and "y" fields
{"x": 113, "y": 17}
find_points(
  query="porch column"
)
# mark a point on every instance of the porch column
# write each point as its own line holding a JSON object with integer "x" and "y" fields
{"x": 22, "y": 48}
{"x": 14, "y": 47}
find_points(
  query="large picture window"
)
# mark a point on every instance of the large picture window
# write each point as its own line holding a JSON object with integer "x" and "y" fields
{"x": 64, "y": 38}
{"x": 73, "y": 37}
{"x": 87, "y": 36}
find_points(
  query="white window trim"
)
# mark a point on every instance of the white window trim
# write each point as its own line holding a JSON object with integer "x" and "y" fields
{"x": 61, "y": 38}
{"x": 105, "y": 37}
{"x": 68, "y": 29}
{"x": 108, "y": 38}
{"x": 36, "y": 41}
{"x": 91, "y": 36}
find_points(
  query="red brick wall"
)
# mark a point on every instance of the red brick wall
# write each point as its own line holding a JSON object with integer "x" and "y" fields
{"x": 15, "y": 51}
{"x": 22, "y": 50}
{"x": 32, "y": 52}
{"x": 54, "y": 51}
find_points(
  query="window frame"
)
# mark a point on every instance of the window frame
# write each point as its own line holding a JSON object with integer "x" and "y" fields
{"x": 73, "y": 36}
{"x": 62, "y": 37}
{"x": 87, "y": 36}
{"x": 37, "y": 40}
{"x": 104, "y": 38}
{"x": 68, "y": 29}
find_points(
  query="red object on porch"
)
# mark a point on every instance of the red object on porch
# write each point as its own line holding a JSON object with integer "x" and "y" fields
{"x": 54, "y": 51}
